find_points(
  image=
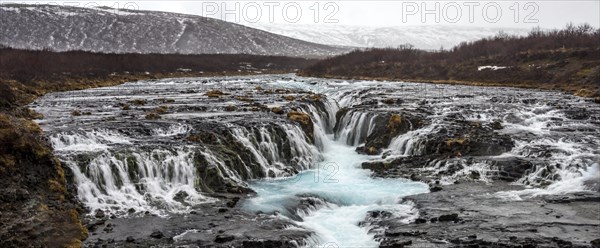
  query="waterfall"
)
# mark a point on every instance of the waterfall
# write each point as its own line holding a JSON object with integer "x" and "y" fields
{"x": 355, "y": 126}
{"x": 323, "y": 116}
{"x": 113, "y": 172}
{"x": 155, "y": 180}
{"x": 157, "y": 166}
{"x": 410, "y": 143}
{"x": 270, "y": 152}
{"x": 121, "y": 160}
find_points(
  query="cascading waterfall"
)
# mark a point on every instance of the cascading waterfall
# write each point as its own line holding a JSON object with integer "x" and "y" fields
{"x": 155, "y": 180}
{"x": 348, "y": 192}
{"x": 120, "y": 160}
{"x": 94, "y": 140}
{"x": 343, "y": 192}
{"x": 269, "y": 154}
{"x": 410, "y": 143}
{"x": 355, "y": 127}
{"x": 113, "y": 174}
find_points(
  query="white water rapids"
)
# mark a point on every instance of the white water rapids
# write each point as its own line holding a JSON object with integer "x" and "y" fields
{"x": 120, "y": 160}
{"x": 349, "y": 192}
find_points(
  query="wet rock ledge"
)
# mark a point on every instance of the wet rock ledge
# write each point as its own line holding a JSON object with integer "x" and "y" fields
{"x": 219, "y": 224}
{"x": 474, "y": 215}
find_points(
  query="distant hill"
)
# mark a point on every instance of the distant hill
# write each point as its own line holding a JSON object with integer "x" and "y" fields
{"x": 63, "y": 28}
{"x": 422, "y": 37}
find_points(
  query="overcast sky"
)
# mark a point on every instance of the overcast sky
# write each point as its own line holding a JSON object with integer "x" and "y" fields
{"x": 526, "y": 14}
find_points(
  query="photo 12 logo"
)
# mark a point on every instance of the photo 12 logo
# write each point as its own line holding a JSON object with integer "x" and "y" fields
{"x": 471, "y": 12}
{"x": 289, "y": 12}
{"x": 232, "y": 11}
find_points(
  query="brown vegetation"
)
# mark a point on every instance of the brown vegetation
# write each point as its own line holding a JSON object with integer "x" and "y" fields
{"x": 567, "y": 59}
{"x": 36, "y": 206}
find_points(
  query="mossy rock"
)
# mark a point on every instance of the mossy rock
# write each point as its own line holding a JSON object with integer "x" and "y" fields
{"x": 456, "y": 141}
{"x": 230, "y": 108}
{"x": 124, "y": 106}
{"x": 166, "y": 100}
{"x": 496, "y": 125}
{"x": 395, "y": 119}
{"x": 161, "y": 110}
{"x": 153, "y": 116}
{"x": 244, "y": 99}
{"x": 277, "y": 110}
{"x": 299, "y": 117}
{"x": 389, "y": 101}
{"x": 372, "y": 151}
{"x": 215, "y": 93}
{"x": 138, "y": 102}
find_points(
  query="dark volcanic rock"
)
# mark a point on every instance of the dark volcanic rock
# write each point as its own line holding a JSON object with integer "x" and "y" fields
{"x": 99, "y": 214}
{"x": 157, "y": 234}
{"x": 395, "y": 243}
{"x": 388, "y": 126}
{"x": 577, "y": 113}
{"x": 251, "y": 230}
{"x": 509, "y": 169}
{"x": 224, "y": 238}
{"x": 448, "y": 217}
{"x": 268, "y": 244}
{"x": 467, "y": 139}
{"x": 471, "y": 215}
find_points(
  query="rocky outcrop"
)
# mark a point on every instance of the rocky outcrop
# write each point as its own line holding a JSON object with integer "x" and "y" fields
{"x": 449, "y": 150}
{"x": 231, "y": 227}
{"x": 303, "y": 204}
{"x": 464, "y": 215}
{"x": 376, "y": 129}
{"x": 464, "y": 138}
{"x": 388, "y": 126}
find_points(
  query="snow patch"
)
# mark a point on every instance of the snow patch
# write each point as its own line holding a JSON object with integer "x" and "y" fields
{"x": 491, "y": 67}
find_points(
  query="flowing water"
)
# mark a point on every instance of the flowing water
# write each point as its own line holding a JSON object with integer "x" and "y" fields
{"x": 121, "y": 160}
{"x": 348, "y": 193}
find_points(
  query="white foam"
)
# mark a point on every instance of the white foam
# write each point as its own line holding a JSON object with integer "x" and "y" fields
{"x": 350, "y": 190}
{"x": 95, "y": 140}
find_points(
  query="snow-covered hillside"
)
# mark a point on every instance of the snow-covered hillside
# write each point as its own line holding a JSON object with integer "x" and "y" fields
{"x": 423, "y": 37}
{"x": 121, "y": 31}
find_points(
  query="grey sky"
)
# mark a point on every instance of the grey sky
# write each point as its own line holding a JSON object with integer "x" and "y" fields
{"x": 546, "y": 14}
